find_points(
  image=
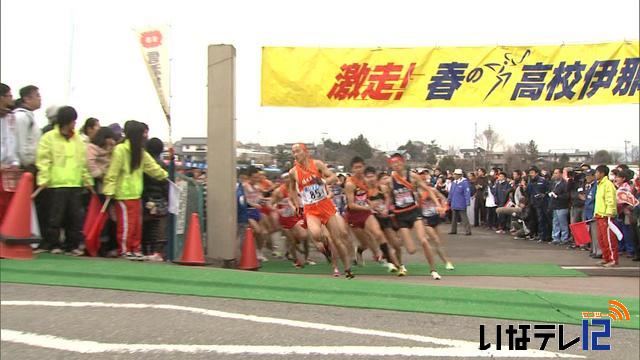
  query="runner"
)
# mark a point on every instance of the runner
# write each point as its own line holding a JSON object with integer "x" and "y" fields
{"x": 359, "y": 214}
{"x": 337, "y": 194}
{"x": 405, "y": 208}
{"x": 290, "y": 222}
{"x": 433, "y": 208}
{"x": 254, "y": 200}
{"x": 309, "y": 178}
{"x": 269, "y": 218}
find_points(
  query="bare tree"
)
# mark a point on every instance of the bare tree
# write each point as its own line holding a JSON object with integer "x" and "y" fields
{"x": 616, "y": 156}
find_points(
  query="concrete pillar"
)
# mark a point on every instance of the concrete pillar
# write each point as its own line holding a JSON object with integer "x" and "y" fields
{"x": 221, "y": 155}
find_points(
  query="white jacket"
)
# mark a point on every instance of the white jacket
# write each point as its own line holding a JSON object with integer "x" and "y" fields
{"x": 8, "y": 151}
{"x": 28, "y": 135}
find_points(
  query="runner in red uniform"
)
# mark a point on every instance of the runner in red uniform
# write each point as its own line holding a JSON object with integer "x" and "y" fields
{"x": 359, "y": 213}
{"x": 290, "y": 222}
{"x": 309, "y": 178}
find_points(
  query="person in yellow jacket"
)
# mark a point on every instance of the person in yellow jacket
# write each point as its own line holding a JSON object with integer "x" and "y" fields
{"x": 605, "y": 211}
{"x": 124, "y": 183}
{"x": 62, "y": 169}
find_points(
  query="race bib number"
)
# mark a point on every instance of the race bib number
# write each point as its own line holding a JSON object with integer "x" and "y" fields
{"x": 313, "y": 193}
{"x": 429, "y": 211}
{"x": 404, "y": 199}
{"x": 361, "y": 200}
{"x": 379, "y": 205}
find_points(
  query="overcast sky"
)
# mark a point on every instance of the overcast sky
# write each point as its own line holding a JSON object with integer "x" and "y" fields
{"x": 99, "y": 70}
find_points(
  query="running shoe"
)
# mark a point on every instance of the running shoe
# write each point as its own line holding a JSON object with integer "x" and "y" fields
{"x": 402, "y": 271}
{"x": 57, "y": 251}
{"x": 391, "y": 268}
{"x": 40, "y": 251}
{"x": 137, "y": 256}
{"x": 128, "y": 256}
{"x": 348, "y": 274}
{"x": 610, "y": 264}
{"x": 310, "y": 262}
{"x": 298, "y": 264}
{"x": 262, "y": 258}
{"x": 435, "y": 275}
{"x": 450, "y": 266}
{"x": 336, "y": 272}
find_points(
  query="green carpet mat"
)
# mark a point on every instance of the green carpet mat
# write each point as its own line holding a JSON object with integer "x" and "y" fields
{"x": 533, "y": 306}
{"x": 466, "y": 269}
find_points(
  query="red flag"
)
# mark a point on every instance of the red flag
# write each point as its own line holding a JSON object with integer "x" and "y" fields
{"x": 92, "y": 213}
{"x": 580, "y": 232}
{"x": 92, "y": 240}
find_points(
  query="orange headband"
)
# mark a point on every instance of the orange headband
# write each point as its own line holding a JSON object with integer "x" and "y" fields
{"x": 302, "y": 146}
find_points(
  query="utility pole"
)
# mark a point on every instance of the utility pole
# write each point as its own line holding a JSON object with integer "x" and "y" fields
{"x": 475, "y": 146}
{"x": 626, "y": 154}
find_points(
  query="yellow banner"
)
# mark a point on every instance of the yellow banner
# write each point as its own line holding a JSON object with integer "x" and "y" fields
{"x": 452, "y": 76}
{"x": 155, "y": 52}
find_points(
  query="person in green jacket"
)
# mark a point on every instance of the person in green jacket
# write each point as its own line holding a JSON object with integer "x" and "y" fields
{"x": 62, "y": 168}
{"x": 124, "y": 183}
{"x": 605, "y": 211}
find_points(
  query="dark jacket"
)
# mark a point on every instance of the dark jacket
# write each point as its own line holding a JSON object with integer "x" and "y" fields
{"x": 537, "y": 190}
{"x": 155, "y": 189}
{"x": 562, "y": 200}
{"x": 500, "y": 192}
{"x": 573, "y": 186}
{"x": 481, "y": 188}
{"x": 590, "y": 202}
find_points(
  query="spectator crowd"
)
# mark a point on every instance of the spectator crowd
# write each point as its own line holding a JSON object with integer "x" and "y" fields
{"x": 118, "y": 164}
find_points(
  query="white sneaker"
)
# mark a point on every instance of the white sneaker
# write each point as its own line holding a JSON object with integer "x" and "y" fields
{"x": 75, "y": 252}
{"x": 450, "y": 266}
{"x": 310, "y": 262}
{"x": 391, "y": 268}
{"x": 262, "y": 258}
{"x": 137, "y": 256}
{"x": 435, "y": 275}
{"x": 403, "y": 269}
{"x": 154, "y": 257}
{"x": 57, "y": 251}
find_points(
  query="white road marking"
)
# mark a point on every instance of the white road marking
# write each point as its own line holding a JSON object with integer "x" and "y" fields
{"x": 454, "y": 348}
{"x": 600, "y": 268}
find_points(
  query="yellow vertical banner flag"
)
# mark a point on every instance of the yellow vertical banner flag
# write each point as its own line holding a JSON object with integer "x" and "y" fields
{"x": 606, "y": 73}
{"x": 155, "y": 53}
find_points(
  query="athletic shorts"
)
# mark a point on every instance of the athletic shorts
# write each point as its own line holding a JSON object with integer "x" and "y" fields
{"x": 265, "y": 210}
{"x": 356, "y": 219}
{"x": 431, "y": 221}
{"x": 386, "y": 223}
{"x": 254, "y": 214}
{"x": 406, "y": 220}
{"x": 323, "y": 210}
{"x": 289, "y": 222}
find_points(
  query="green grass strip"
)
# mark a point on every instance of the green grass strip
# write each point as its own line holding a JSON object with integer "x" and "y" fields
{"x": 463, "y": 269}
{"x": 534, "y": 306}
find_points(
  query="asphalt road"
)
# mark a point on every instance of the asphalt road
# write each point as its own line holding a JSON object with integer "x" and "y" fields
{"x": 171, "y": 325}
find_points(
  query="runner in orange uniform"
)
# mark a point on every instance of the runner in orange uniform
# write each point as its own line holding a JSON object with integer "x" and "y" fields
{"x": 309, "y": 178}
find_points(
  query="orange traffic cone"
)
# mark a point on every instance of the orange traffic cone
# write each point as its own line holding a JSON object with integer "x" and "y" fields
{"x": 248, "y": 259}
{"x": 192, "y": 253}
{"x": 15, "y": 231}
